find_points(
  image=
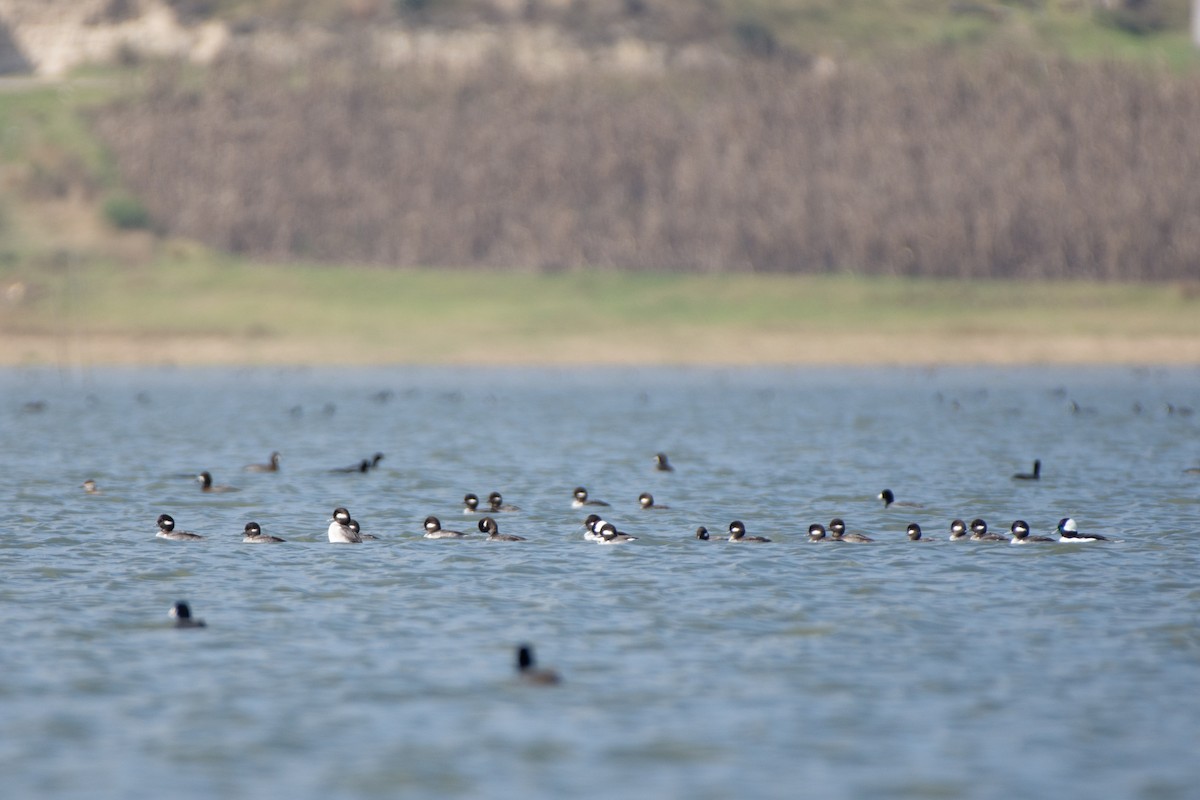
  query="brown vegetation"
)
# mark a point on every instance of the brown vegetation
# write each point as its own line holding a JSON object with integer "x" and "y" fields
{"x": 1008, "y": 166}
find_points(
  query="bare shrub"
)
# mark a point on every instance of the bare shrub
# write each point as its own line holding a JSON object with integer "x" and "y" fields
{"x": 1010, "y": 166}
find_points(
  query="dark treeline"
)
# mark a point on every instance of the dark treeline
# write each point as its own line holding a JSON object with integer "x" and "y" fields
{"x": 1002, "y": 166}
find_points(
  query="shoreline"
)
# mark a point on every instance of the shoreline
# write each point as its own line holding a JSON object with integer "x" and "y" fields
{"x": 716, "y": 348}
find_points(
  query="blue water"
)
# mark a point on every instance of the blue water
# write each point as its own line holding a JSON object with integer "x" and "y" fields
{"x": 690, "y": 669}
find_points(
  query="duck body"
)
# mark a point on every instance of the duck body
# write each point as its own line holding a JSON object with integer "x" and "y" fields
{"x": 272, "y": 465}
{"x": 646, "y": 501}
{"x": 837, "y": 530}
{"x": 207, "y": 485}
{"x": 488, "y": 525}
{"x": 737, "y": 533}
{"x": 340, "y": 530}
{"x": 182, "y": 615}
{"x": 496, "y": 504}
{"x": 581, "y": 499}
{"x": 1020, "y": 534}
{"x": 434, "y": 530}
{"x": 529, "y": 672}
{"x": 1031, "y": 476}
{"x": 252, "y": 534}
{"x": 1069, "y": 532}
{"x": 166, "y": 530}
{"x": 979, "y": 533}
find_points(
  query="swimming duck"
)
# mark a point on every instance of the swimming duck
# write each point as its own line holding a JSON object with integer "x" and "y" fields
{"x": 581, "y": 499}
{"x": 488, "y": 525}
{"x": 889, "y": 499}
{"x": 958, "y": 530}
{"x": 979, "y": 533}
{"x": 528, "y": 671}
{"x": 252, "y": 534}
{"x": 914, "y": 533}
{"x": 497, "y": 505}
{"x": 837, "y": 530}
{"x": 272, "y": 465}
{"x": 183, "y": 616}
{"x": 434, "y": 530}
{"x": 1069, "y": 532}
{"x": 364, "y": 536}
{"x": 340, "y": 531}
{"x": 166, "y": 530}
{"x": 610, "y": 535}
{"x": 366, "y": 465}
{"x": 702, "y": 533}
{"x": 207, "y": 485}
{"x": 1031, "y": 476}
{"x": 471, "y": 504}
{"x": 1020, "y": 534}
{"x": 737, "y": 533}
{"x": 661, "y": 464}
{"x": 816, "y": 533}
{"x": 646, "y": 501}
{"x": 90, "y": 487}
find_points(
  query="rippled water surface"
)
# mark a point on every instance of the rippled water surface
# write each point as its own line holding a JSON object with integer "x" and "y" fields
{"x": 691, "y": 669}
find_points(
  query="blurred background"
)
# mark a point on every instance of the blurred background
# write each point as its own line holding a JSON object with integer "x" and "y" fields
{"x": 1029, "y": 140}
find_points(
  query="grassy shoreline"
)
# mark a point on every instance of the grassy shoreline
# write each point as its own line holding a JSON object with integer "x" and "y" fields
{"x": 207, "y": 311}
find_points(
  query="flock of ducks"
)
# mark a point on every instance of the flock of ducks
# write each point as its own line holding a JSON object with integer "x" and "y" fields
{"x": 343, "y": 529}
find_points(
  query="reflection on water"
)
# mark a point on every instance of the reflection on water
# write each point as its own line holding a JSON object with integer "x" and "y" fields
{"x": 700, "y": 669}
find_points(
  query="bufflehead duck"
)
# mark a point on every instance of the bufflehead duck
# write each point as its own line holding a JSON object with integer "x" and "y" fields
{"x": 434, "y": 530}
{"x": 206, "y": 484}
{"x": 488, "y": 525}
{"x": 183, "y": 616}
{"x": 591, "y": 525}
{"x": 90, "y": 487}
{"x": 1031, "y": 476}
{"x": 365, "y": 536}
{"x": 1068, "y": 532}
{"x": 528, "y": 671}
{"x": 737, "y": 533}
{"x": 702, "y": 533}
{"x": 889, "y": 499}
{"x": 610, "y": 535}
{"x": 646, "y": 500}
{"x": 471, "y": 504}
{"x": 496, "y": 504}
{"x": 958, "y": 530}
{"x": 661, "y": 464}
{"x": 837, "y": 530}
{"x": 816, "y": 533}
{"x": 581, "y": 499}
{"x": 253, "y": 535}
{"x": 272, "y": 465}
{"x": 979, "y": 532}
{"x": 340, "y": 530}
{"x": 366, "y": 465}
{"x": 914, "y": 533}
{"x": 166, "y": 530}
{"x": 1020, "y": 534}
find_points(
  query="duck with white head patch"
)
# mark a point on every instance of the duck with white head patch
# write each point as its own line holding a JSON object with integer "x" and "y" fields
{"x": 166, "y": 530}
{"x": 434, "y": 530}
{"x": 340, "y": 531}
{"x": 1068, "y": 531}
{"x": 1020, "y": 534}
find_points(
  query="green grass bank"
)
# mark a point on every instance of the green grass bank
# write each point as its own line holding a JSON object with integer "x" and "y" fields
{"x": 199, "y": 310}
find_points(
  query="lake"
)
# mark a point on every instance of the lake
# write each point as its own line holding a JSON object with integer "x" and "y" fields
{"x": 690, "y": 669}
